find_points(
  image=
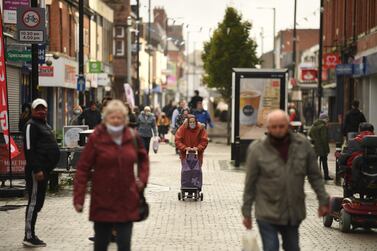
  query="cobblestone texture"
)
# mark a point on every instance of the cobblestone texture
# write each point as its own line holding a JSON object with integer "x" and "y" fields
{"x": 214, "y": 224}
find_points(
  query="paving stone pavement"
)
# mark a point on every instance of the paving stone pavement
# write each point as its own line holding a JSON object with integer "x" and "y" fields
{"x": 213, "y": 224}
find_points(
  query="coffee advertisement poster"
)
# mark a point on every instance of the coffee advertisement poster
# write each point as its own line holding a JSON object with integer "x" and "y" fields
{"x": 258, "y": 96}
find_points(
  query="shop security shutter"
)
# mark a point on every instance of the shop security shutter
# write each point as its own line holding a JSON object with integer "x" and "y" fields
{"x": 14, "y": 82}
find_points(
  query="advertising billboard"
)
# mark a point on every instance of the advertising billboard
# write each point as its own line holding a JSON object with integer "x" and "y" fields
{"x": 255, "y": 93}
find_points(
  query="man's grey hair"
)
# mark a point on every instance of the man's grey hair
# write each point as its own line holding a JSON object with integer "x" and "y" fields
{"x": 276, "y": 113}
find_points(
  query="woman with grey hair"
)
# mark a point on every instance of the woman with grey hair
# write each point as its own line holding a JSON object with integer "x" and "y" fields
{"x": 109, "y": 158}
{"x": 147, "y": 126}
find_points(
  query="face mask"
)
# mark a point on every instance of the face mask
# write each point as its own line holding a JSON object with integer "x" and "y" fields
{"x": 114, "y": 129}
{"x": 76, "y": 112}
{"x": 192, "y": 125}
{"x": 39, "y": 114}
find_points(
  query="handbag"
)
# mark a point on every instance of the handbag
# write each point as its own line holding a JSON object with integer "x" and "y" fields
{"x": 156, "y": 144}
{"x": 143, "y": 205}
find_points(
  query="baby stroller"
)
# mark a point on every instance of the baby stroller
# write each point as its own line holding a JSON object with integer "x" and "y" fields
{"x": 358, "y": 206}
{"x": 191, "y": 178}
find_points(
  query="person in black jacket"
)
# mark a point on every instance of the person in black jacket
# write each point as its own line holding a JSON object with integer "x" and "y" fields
{"x": 195, "y": 99}
{"x": 92, "y": 116}
{"x": 42, "y": 154}
{"x": 352, "y": 121}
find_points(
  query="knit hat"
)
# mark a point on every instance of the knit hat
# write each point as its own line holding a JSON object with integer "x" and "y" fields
{"x": 324, "y": 116}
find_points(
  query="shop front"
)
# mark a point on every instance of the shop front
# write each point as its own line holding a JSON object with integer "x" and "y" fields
{"x": 58, "y": 87}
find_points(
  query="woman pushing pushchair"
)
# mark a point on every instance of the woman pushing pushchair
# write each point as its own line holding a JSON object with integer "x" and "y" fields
{"x": 191, "y": 140}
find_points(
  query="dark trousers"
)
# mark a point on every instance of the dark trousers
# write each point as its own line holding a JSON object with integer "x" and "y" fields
{"x": 146, "y": 143}
{"x": 323, "y": 164}
{"x": 103, "y": 234}
{"x": 36, "y": 197}
{"x": 269, "y": 233}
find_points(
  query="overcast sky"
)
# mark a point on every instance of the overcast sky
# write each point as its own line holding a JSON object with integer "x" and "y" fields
{"x": 208, "y": 13}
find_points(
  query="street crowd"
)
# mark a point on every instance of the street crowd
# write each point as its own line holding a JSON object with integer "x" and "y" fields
{"x": 115, "y": 161}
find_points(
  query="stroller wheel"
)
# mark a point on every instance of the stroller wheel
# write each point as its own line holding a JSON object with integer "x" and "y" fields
{"x": 344, "y": 221}
{"x": 179, "y": 196}
{"x": 201, "y": 196}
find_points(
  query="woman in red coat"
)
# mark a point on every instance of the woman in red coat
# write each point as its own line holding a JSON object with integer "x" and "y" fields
{"x": 108, "y": 159}
{"x": 191, "y": 136}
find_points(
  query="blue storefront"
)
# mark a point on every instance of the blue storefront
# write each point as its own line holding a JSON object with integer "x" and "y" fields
{"x": 358, "y": 81}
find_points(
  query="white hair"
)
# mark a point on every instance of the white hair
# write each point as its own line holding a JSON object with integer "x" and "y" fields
{"x": 276, "y": 114}
{"x": 115, "y": 106}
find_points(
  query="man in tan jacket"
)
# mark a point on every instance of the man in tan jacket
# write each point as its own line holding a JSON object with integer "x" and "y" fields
{"x": 276, "y": 169}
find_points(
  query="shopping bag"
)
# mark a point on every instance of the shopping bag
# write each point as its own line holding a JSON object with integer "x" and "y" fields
{"x": 155, "y": 145}
{"x": 249, "y": 241}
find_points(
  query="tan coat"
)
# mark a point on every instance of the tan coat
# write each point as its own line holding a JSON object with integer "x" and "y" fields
{"x": 276, "y": 187}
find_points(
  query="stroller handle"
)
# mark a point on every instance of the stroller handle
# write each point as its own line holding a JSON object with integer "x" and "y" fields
{"x": 191, "y": 152}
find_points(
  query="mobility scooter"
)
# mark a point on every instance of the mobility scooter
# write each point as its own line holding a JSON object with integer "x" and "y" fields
{"x": 358, "y": 207}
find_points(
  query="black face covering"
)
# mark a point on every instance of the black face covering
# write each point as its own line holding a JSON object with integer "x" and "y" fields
{"x": 278, "y": 139}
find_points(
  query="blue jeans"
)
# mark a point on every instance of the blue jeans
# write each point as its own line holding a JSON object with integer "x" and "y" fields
{"x": 146, "y": 142}
{"x": 269, "y": 233}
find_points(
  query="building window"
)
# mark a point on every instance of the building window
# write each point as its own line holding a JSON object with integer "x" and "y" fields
{"x": 119, "y": 47}
{"x": 119, "y": 32}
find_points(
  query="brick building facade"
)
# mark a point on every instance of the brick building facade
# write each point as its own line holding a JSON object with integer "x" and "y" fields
{"x": 350, "y": 30}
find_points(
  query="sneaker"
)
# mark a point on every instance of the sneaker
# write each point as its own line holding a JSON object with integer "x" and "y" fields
{"x": 34, "y": 242}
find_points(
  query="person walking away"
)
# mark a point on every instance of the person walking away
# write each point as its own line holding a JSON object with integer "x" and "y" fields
{"x": 352, "y": 121}
{"x": 182, "y": 118}
{"x": 175, "y": 115}
{"x": 91, "y": 117}
{"x": 195, "y": 99}
{"x": 163, "y": 126}
{"x": 147, "y": 127}
{"x": 191, "y": 136}
{"x": 319, "y": 134}
{"x": 24, "y": 117}
{"x": 109, "y": 158}
{"x": 77, "y": 111}
{"x": 169, "y": 109}
{"x": 202, "y": 115}
{"x": 131, "y": 116}
{"x": 42, "y": 155}
{"x": 276, "y": 168}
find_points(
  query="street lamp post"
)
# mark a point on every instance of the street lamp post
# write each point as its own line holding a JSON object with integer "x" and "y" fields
{"x": 34, "y": 64}
{"x": 273, "y": 33}
{"x": 137, "y": 87}
{"x": 129, "y": 27}
{"x": 149, "y": 53}
{"x": 320, "y": 90}
{"x": 294, "y": 41}
{"x": 81, "y": 48}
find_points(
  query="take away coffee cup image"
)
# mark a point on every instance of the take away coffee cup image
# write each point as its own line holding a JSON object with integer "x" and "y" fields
{"x": 249, "y": 106}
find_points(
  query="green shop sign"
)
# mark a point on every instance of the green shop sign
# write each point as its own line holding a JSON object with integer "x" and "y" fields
{"x": 95, "y": 67}
{"x": 18, "y": 56}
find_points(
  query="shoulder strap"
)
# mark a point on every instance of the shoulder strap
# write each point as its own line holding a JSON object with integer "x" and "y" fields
{"x": 136, "y": 145}
{"x": 134, "y": 139}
